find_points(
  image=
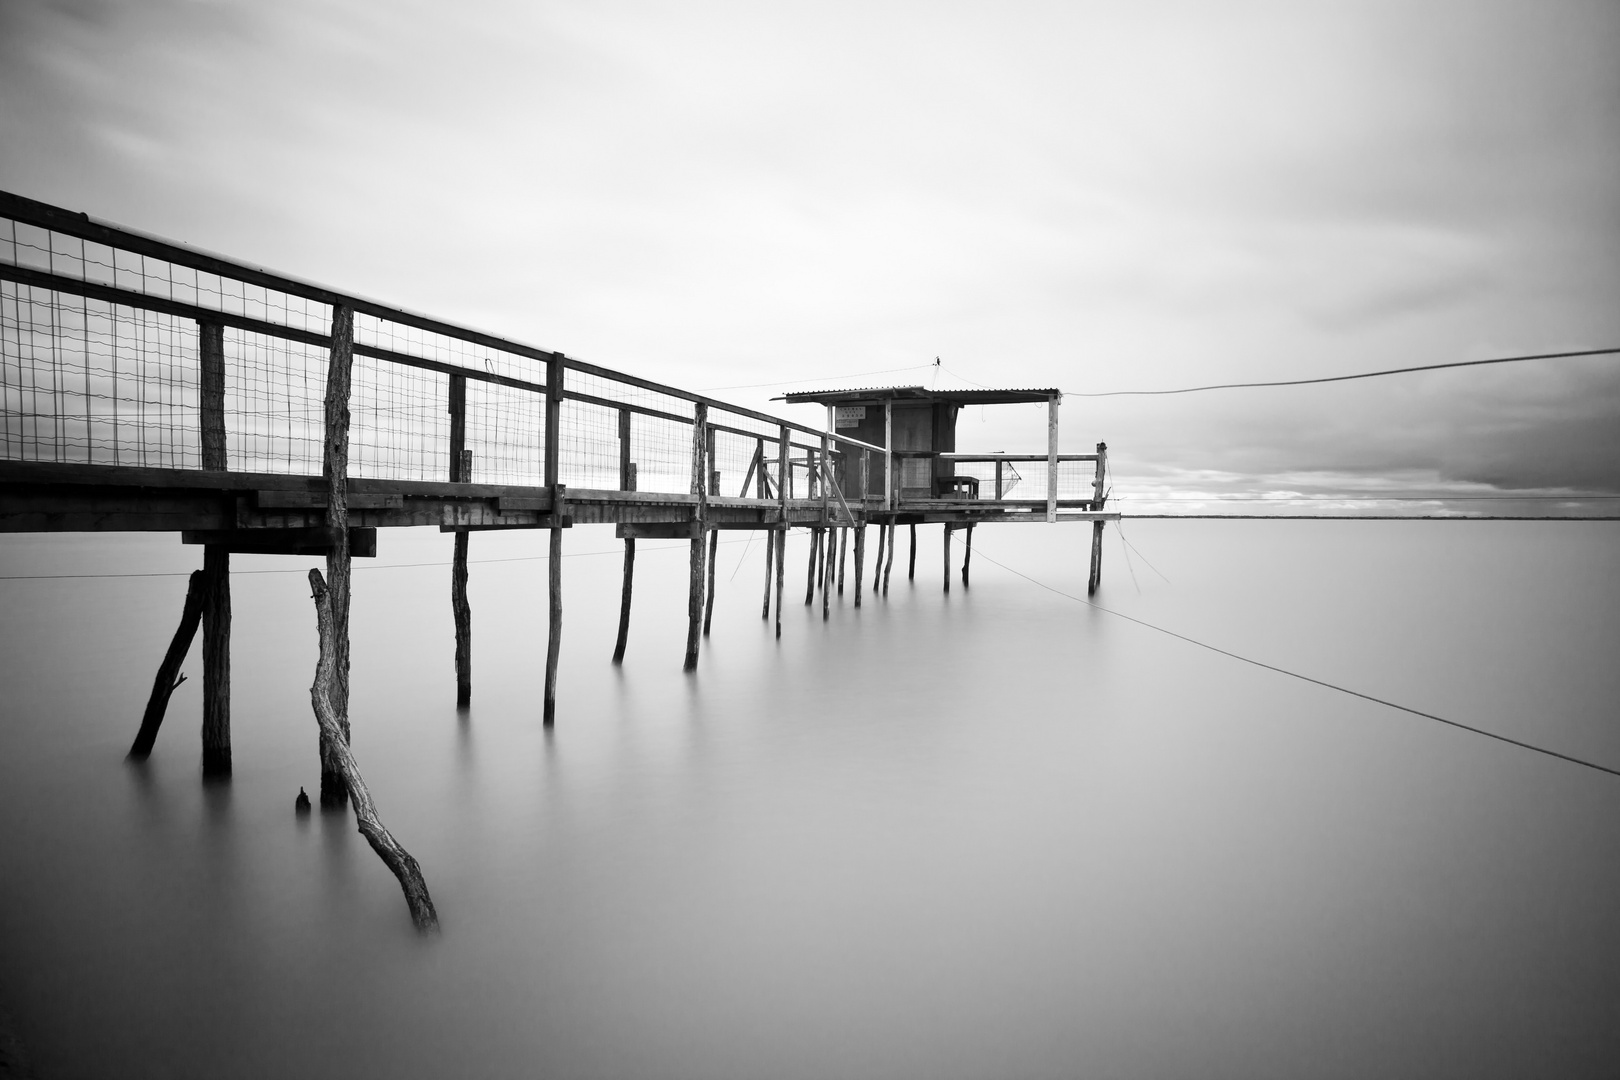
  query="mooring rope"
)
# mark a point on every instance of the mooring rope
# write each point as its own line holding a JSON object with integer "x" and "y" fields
{"x": 1306, "y": 678}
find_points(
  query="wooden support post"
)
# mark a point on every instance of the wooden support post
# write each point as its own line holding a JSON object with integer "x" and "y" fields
{"x": 216, "y": 609}
{"x": 764, "y": 492}
{"x": 890, "y": 483}
{"x": 998, "y": 479}
{"x": 335, "y": 467}
{"x": 832, "y": 568}
{"x": 168, "y": 674}
{"x": 888, "y": 566}
{"x": 627, "y": 482}
{"x": 548, "y": 711}
{"x": 947, "y": 556}
{"x": 843, "y": 551}
{"x": 333, "y": 734}
{"x": 1052, "y": 456}
{"x": 460, "y": 610}
{"x": 1096, "y": 558}
{"x": 860, "y": 560}
{"x": 770, "y": 551}
{"x": 624, "y": 599}
{"x": 783, "y": 481}
{"x": 708, "y": 605}
{"x": 810, "y": 570}
{"x": 967, "y": 554}
{"x": 553, "y": 478}
{"x": 911, "y": 566}
{"x": 877, "y": 573}
{"x": 700, "y": 486}
{"x": 821, "y": 555}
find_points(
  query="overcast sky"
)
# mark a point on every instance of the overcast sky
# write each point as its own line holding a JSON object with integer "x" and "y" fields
{"x": 1091, "y": 196}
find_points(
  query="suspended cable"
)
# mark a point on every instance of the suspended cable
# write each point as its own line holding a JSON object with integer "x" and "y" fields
{"x": 1306, "y": 678}
{"x": 1347, "y": 378}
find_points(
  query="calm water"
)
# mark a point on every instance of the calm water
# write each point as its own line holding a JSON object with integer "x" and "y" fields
{"x": 994, "y": 834}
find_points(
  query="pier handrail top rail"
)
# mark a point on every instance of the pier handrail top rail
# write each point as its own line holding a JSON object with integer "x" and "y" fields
{"x": 46, "y": 216}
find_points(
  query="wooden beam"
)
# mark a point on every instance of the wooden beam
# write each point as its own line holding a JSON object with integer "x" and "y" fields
{"x": 308, "y": 540}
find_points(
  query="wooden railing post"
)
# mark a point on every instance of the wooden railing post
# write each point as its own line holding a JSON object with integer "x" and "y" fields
{"x": 890, "y": 485}
{"x": 998, "y": 479}
{"x": 554, "y": 393}
{"x": 694, "y": 595}
{"x": 627, "y": 482}
{"x": 216, "y": 600}
{"x": 714, "y": 534}
{"x": 783, "y": 476}
{"x": 335, "y": 468}
{"x": 1052, "y": 456}
{"x": 1098, "y": 498}
{"x": 460, "y": 610}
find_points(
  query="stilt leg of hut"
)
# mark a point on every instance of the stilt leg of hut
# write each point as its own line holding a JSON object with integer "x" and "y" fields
{"x": 810, "y": 570}
{"x": 967, "y": 554}
{"x": 823, "y": 536}
{"x": 781, "y": 560}
{"x": 770, "y": 551}
{"x": 708, "y": 605}
{"x": 216, "y": 627}
{"x": 554, "y": 627}
{"x": 827, "y": 576}
{"x": 860, "y": 561}
{"x": 463, "y": 617}
{"x": 168, "y": 674}
{"x": 911, "y": 567}
{"x": 888, "y": 566}
{"x": 694, "y": 606}
{"x": 877, "y": 571}
{"x": 1096, "y": 558}
{"x": 843, "y": 551}
{"x": 624, "y": 599}
{"x": 947, "y": 556}
{"x": 397, "y": 859}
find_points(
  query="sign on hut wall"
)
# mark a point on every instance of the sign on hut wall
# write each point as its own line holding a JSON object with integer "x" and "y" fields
{"x": 849, "y": 416}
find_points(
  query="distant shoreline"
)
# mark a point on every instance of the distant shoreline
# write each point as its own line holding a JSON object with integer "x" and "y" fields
{"x": 1362, "y": 517}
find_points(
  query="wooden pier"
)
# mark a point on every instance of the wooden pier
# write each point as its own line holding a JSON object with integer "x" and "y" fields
{"x": 149, "y": 386}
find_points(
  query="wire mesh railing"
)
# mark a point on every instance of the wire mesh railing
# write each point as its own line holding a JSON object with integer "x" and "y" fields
{"x": 101, "y": 354}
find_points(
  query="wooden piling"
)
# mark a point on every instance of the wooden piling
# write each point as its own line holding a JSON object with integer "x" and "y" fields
{"x": 627, "y": 482}
{"x": 168, "y": 673}
{"x": 394, "y": 856}
{"x": 770, "y": 551}
{"x": 911, "y": 566}
{"x": 460, "y": 610}
{"x": 967, "y": 554}
{"x": 877, "y": 573}
{"x": 827, "y": 578}
{"x": 860, "y": 560}
{"x": 553, "y": 480}
{"x": 548, "y": 712}
{"x": 335, "y": 467}
{"x": 708, "y": 606}
{"x": 216, "y": 606}
{"x": 947, "y": 556}
{"x": 700, "y": 487}
{"x": 822, "y": 538}
{"x": 810, "y": 569}
{"x": 1096, "y": 558}
{"x": 781, "y": 558}
{"x": 888, "y": 566}
{"x": 624, "y": 599}
{"x": 843, "y": 551}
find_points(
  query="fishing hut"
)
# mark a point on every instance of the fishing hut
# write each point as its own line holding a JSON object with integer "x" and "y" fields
{"x": 151, "y": 386}
{"x": 923, "y": 477}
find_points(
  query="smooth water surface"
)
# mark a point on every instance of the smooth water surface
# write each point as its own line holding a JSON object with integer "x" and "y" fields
{"x": 991, "y": 834}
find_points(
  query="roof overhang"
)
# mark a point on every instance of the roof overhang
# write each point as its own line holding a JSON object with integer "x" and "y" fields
{"x": 920, "y": 394}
